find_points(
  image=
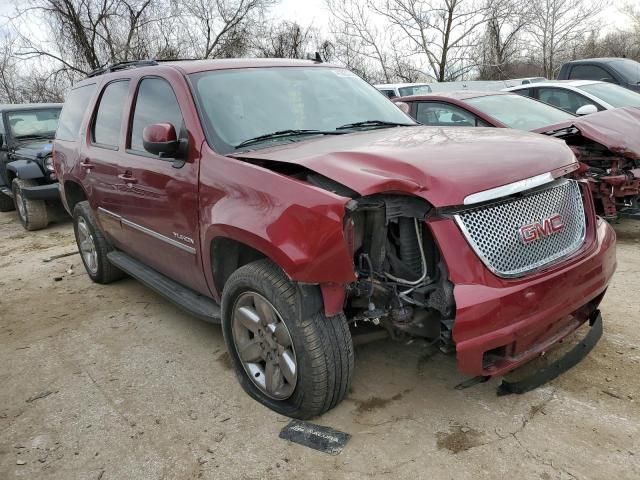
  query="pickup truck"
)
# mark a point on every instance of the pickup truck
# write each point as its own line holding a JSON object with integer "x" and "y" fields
{"x": 621, "y": 71}
{"x": 27, "y": 180}
{"x": 304, "y": 212}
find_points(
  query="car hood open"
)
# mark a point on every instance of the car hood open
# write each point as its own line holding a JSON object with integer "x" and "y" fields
{"x": 617, "y": 129}
{"x": 443, "y": 165}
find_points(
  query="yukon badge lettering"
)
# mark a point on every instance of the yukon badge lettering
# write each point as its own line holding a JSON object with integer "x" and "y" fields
{"x": 537, "y": 230}
{"x": 184, "y": 238}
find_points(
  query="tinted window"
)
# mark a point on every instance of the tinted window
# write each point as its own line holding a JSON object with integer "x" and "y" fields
{"x": 389, "y": 93}
{"x": 156, "y": 103}
{"x": 614, "y": 95}
{"x": 106, "y": 129}
{"x": 519, "y": 112}
{"x": 525, "y": 92}
{"x": 590, "y": 72}
{"x": 446, "y": 115}
{"x": 73, "y": 112}
{"x": 564, "y": 99}
{"x": 630, "y": 69}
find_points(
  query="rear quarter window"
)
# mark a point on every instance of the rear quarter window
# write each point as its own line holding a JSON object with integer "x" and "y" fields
{"x": 73, "y": 112}
{"x": 108, "y": 121}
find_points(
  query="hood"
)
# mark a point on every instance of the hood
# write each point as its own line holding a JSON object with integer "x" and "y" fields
{"x": 442, "y": 165}
{"x": 616, "y": 129}
{"x": 32, "y": 149}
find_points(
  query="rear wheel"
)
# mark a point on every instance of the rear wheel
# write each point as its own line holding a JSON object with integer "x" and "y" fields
{"x": 93, "y": 246}
{"x": 32, "y": 213}
{"x": 287, "y": 355}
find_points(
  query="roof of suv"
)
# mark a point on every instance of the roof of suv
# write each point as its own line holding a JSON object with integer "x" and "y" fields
{"x": 194, "y": 66}
{"x": 27, "y": 106}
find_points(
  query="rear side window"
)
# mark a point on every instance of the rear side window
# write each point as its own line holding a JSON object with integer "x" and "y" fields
{"x": 73, "y": 112}
{"x": 525, "y": 92}
{"x": 106, "y": 128}
{"x": 156, "y": 103}
{"x": 565, "y": 99}
{"x": 590, "y": 72}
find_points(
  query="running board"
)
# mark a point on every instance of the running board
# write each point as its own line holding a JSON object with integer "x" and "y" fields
{"x": 192, "y": 302}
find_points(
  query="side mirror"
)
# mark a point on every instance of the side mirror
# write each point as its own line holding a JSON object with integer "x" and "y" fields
{"x": 160, "y": 139}
{"x": 586, "y": 110}
{"x": 403, "y": 106}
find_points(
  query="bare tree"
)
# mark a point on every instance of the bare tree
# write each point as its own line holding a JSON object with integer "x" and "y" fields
{"x": 501, "y": 45}
{"x": 361, "y": 42}
{"x": 221, "y": 28}
{"x": 444, "y": 32}
{"x": 87, "y": 34}
{"x": 557, "y": 24}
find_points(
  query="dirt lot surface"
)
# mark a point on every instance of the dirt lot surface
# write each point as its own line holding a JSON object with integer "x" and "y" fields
{"x": 113, "y": 382}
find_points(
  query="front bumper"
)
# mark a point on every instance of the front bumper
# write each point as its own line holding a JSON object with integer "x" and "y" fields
{"x": 42, "y": 192}
{"x": 501, "y": 324}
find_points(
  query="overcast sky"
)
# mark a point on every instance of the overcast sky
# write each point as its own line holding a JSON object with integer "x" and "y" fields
{"x": 315, "y": 12}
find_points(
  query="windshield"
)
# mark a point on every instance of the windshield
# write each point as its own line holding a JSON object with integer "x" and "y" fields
{"x": 414, "y": 90}
{"x": 629, "y": 68}
{"x": 33, "y": 123}
{"x": 239, "y": 105}
{"x": 614, "y": 95}
{"x": 519, "y": 112}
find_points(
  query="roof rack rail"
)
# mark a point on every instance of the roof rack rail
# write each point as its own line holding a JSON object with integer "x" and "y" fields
{"x": 121, "y": 66}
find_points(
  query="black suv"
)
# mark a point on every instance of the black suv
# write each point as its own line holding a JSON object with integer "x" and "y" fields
{"x": 27, "y": 180}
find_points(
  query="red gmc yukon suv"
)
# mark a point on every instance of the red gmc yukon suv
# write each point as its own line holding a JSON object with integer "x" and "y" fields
{"x": 296, "y": 205}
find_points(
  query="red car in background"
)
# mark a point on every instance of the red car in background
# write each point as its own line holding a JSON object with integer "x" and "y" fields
{"x": 607, "y": 143}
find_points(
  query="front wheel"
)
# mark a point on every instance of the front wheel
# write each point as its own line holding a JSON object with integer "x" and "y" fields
{"x": 32, "y": 213}
{"x": 291, "y": 358}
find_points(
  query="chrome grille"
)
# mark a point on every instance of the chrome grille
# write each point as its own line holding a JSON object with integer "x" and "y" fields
{"x": 494, "y": 230}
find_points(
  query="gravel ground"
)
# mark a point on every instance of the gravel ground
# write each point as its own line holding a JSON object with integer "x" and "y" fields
{"x": 113, "y": 382}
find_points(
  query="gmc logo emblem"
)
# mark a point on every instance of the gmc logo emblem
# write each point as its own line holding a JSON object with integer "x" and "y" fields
{"x": 537, "y": 230}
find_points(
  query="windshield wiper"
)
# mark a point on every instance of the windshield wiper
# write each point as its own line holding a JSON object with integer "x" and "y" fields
{"x": 374, "y": 123}
{"x": 284, "y": 134}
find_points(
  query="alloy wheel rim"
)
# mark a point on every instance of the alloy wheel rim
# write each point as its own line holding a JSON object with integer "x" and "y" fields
{"x": 87, "y": 246}
{"x": 264, "y": 346}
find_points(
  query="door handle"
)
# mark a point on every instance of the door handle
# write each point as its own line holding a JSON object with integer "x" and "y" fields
{"x": 126, "y": 178}
{"x": 87, "y": 164}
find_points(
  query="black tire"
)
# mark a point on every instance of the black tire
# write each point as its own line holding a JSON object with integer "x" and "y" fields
{"x": 6, "y": 203}
{"x": 32, "y": 213}
{"x": 323, "y": 346}
{"x": 104, "y": 271}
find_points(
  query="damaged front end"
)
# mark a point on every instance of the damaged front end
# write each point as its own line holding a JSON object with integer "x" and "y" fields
{"x": 402, "y": 282}
{"x": 607, "y": 146}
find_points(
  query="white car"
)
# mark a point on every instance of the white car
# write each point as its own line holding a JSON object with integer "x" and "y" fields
{"x": 579, "y": 96}
{"x": 393, "y": 90}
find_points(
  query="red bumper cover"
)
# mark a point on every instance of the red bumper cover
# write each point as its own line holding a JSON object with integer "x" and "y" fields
{"x": 500, "y": 324}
